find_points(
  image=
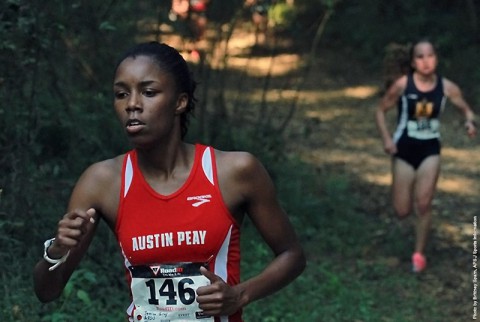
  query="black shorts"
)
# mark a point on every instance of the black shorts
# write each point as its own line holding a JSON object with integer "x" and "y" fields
{"x": 414, "y": 151}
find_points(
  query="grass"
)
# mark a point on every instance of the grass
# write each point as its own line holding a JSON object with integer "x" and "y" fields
{"x": 350, "y": 275}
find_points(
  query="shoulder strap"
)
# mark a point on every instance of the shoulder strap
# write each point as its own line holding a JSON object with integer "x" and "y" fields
{"x": 127, "y": 173}
{"x": 207, "y": 163}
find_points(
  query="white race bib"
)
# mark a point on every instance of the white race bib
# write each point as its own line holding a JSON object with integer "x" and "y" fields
{"x": 167, "y": 292}
{"x": 423, "y": 129}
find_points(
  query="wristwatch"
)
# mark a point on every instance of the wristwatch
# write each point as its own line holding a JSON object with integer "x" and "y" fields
{"x": 55, "y": 262}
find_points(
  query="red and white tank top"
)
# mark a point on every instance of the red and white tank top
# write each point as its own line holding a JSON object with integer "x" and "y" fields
{"x": 192, "y": 224}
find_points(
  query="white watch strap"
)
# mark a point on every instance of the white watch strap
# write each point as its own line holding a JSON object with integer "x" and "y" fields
{"x": 55, "y": 262}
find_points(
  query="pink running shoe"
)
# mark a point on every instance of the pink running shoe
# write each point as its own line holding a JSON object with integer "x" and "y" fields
{"x": 419, "y": 262}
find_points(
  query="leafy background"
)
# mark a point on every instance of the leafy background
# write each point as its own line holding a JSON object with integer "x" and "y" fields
{"x": 56, "y": 118}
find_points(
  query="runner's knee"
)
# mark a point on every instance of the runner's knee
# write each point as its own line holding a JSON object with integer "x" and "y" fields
{"x": 402, "y": 211}
{"x": 423, "y": 206}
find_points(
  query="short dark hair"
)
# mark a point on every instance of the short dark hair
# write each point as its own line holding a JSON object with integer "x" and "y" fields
{"x": 172, "y": 62}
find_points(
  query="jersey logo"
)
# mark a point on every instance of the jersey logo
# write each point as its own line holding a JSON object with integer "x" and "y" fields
{"x": 423, "y": 108}
{"x": 155, "y": 269}
{"x": 199, "y": 200}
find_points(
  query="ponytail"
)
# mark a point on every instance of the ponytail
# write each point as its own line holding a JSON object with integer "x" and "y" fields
{"x": 398, "y": 60}
{"x": 396, "y": 63}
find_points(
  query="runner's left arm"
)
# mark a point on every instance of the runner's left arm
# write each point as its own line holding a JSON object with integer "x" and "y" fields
{"x": 255, "y": 186}
{"x": 454, "y": 93}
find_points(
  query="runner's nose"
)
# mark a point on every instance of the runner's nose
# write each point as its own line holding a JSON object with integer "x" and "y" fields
{"x": 134, "y": 103}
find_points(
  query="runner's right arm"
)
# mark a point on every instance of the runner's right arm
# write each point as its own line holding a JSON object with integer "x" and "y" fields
{"x": 75, "y": 230}
{"x": 387, "y": 102}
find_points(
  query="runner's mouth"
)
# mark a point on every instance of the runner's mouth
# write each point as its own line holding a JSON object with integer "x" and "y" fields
{"x": 133, "y": 122}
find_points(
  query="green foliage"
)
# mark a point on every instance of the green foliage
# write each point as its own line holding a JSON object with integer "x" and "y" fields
{"x": 369, "y": 26}
{"x": 87, "y": 296}
{"x": 339, "y": 284}
{"x": 282, "y": 16}
{"x": 56, "y": 118}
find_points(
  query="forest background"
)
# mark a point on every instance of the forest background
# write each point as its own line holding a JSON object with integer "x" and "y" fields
{"x": 56, "y": 118}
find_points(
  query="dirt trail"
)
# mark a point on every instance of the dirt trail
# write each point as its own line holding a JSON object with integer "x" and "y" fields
{"x": 334, "y": 130}
{"x": 345, "y": 140}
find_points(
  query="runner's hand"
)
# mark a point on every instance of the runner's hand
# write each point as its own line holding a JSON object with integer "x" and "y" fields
{"x": 71, "y": 230}
{"x": 471, "y": 129}
{"x": 218, "y": 298}
{"x": 389, "y": 147}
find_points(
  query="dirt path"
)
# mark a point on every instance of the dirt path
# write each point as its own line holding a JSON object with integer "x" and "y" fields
{"x": 344, "y": 140}
{"x": 334, "y": 130}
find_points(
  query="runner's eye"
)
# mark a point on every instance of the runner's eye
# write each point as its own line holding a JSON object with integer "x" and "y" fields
{"x": 120, "y": 94}
{"x": 149, "y": 93}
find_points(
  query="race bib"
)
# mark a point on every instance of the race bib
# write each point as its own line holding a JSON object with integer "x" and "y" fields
{"x": 167, "y": 292}
{"x": 423, "y": 128}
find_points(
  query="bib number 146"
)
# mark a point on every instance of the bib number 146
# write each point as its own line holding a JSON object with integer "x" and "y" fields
{"x": 186, "y": 294}
{"x": 163, "y": 293}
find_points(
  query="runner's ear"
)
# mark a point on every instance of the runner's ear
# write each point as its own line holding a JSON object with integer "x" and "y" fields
{"x": 182, "y": 102}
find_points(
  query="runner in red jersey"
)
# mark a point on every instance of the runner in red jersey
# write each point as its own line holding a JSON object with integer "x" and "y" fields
{"x": 163, "y": 233}
{"x": 176, "y": 208}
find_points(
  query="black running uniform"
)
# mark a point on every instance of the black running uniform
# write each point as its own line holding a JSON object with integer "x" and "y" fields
{"x": 417, "y": 135}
